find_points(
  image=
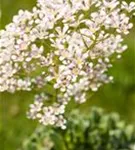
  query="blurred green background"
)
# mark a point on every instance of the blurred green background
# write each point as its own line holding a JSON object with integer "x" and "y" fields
{"x": 118, "y": 96}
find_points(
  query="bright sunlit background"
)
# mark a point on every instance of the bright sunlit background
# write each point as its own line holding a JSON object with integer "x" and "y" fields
{"x": 118, "y": 96}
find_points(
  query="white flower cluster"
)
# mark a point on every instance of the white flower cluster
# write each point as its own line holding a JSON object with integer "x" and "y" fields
{"x": 66, "y": 44}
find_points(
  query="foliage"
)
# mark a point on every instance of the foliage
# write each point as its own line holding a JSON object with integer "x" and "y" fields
{"x": 96, "y": 131}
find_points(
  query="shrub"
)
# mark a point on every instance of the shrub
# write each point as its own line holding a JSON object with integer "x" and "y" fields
{"x": 93, "y": 131}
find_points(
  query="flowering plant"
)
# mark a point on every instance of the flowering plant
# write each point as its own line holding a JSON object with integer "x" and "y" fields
{"x": 63, "y": 46}
{"x": 92, "y": 131}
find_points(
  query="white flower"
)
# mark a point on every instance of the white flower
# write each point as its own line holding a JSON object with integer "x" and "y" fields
{"x": 129, "y": 8}
{"x": 61, "y": 52}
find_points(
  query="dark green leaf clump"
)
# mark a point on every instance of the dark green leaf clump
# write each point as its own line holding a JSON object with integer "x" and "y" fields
{"x": 93, "y": 131}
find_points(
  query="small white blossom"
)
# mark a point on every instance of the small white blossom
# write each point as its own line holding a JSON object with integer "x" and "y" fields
{"x": 61, "y": 52}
